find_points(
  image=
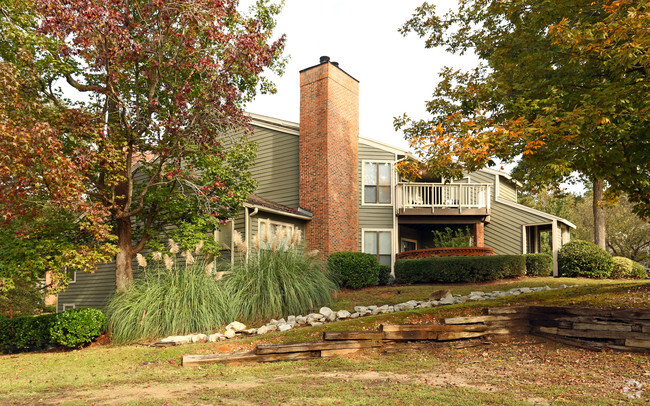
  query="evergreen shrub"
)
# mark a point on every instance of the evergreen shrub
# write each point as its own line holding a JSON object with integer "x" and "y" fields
{"x": 539, "y": 264}
{"x": 354, "y": 270}
{"x": 459, "y": 269}
{"x": 77, "y": 327}
{"x": 584, "y": 259}
{"x": 384, "y": 275}
{"x": 625, "y": 268}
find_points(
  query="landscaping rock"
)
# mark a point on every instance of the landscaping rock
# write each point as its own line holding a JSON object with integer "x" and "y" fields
{"x": 250, "y": 331}
{"x": 447, "y": 300}
{"x": 355, "y": 315}
{"x": 236, "y": 326}
{"x": 272, "y": 327}
{"x": 199, "y": 338}
{"x": 342, "y": 314}
{"x": 291, "y": 319}
{"x": 440, "y": 294}
{"x": 301, "y": 320}
{"x": 284, "y": 327}
{"x": 360, "y": 309}
{"x": 316, "y": 323}
{"x": 229, "y": 333}
{"x": 262, "y": 330}
{"x": 325, "y": 311}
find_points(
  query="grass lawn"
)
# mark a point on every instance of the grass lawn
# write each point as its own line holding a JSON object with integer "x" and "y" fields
{"x": 510, "y": 371}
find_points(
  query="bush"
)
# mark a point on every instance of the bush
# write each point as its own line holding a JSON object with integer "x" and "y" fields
{"x": 582, "y": 258}
{"x": 459, "y": 237}
{"x": 279, "y": 281}
{"x": 76, "y": 327}
{"x": 539, "y": 264}
{"x": 384, "y": 275}
{"x": 25, "y": 333}
{"x": 353, "y": 270}
{"x": 179, "y": 301}
{"x": 625, "y": 268}
{"x": 459, "y": 269}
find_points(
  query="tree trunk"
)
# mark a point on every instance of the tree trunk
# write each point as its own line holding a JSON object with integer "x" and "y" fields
{"x": 124, "y": 257}
{"x": 599, "y": 214}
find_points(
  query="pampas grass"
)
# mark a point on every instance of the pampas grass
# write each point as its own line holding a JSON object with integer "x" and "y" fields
{"x": 280, "y": 281}
{"x": 180, "y": 301}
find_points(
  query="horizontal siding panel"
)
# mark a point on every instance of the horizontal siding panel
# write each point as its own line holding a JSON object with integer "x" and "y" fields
{"x": 504, "y": 233}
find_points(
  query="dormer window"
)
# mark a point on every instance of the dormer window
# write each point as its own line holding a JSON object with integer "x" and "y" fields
{"x": 377, "y": 182}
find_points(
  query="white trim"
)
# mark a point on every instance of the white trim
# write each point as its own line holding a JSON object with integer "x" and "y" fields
{"x": 385, "y": 147}
{"x": 69, "y": 305}
{"x": 554, "y": 248}
{"x": 363, "y": 185}
{"x": 537, "y": 213}
{"x": 401, "y": 240}
{"x": 73, "y": 278}
{"x": 278, "y": 212}
{"x": 392, "y": 241}
{"x": 272, "y": 223}
{"x": 276, "y": 124}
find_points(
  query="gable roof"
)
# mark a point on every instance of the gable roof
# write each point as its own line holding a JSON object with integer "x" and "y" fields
{"x": 258, "y": 202}
{"x": 537, "y": 212}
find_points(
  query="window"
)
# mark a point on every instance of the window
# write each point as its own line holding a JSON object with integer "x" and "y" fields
{"x": 72, "y": 275}
{"x": 378, "y": 243}
{"x": 377, "y": 183}
{"x": 409, "y": 245}
{"x": 274, "y": 227}
{"x": 68, "y": 307}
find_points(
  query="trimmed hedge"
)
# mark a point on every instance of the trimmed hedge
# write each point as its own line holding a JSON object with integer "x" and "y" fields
{"x": 582, "y": 258}
{"x": 71, "y": 328}
{"x": 459, "y": 269}
{"x": 539, "y": 264}
{"x": 625, "y": 268}
{"x": 384, "y": 275}
{"x": 353, "y": 270}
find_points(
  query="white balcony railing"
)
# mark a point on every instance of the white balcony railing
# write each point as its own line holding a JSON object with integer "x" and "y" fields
{"x": 443, "y": 196}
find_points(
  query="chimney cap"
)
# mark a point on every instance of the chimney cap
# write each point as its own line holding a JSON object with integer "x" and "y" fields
{"x": 324, "y": 59}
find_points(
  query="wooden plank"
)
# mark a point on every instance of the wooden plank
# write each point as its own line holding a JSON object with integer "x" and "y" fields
{"x": 544, "y": 330}
{"x": 457, "y": 335}
{"x": 318, "y": 346}
{"x": 411, "y": 335}
{"x": 352, "y": 335}
{"x": 633, "y": 342}
{"x": 600, "y": 334}
{"x": 508, "y": 310}
{"x": 336, "y": 353}
{"x": 194, "y": 360}
{"x": 482, "y": 319}
{"x": 508, "y": 323}
{"x": 602, "y": 326}
{"x": 588, "y": 345}
{"x": 431, "y": 327}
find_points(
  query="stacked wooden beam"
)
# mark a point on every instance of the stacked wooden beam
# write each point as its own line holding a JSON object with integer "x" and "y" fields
{"x": 505, "y": 321}
{"x": 622, "y": 329}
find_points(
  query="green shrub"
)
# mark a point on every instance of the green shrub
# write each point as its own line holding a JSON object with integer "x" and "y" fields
{"x": 582, "y": 258}
{"x": 184, "y": 299}
{"x": 25, "y": 333}
{"x": 459, "y": 237}
{"x": 384, "y": 275}
{"x": 539, "y": 264}
{"x": 625, "y": 268}
{"x": 459, "y": 269}
{"x": 76, "y": 327}
{"x": 353, "y": 270}
{"x": 279, "y": 281}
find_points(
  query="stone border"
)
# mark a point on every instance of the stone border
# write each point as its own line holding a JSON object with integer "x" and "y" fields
{"x": 327, "y": 315}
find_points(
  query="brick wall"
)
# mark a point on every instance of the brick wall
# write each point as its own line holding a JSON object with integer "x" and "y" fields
{"x": 446, "y": 252}
{"x": 479, "y": 234}
{"x": 329, "y": 130}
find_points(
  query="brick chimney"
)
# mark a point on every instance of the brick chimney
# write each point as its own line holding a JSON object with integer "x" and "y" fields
{"x": 329, "y": 157}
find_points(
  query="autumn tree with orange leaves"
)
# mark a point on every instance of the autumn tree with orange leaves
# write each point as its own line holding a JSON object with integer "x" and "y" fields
{"x": 562, "y": 87}
{"x": 113, "y": 115}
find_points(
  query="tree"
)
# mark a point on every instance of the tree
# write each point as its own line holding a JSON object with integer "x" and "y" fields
{"x": 143, "y": 145}
{"x": 561, "y": 87}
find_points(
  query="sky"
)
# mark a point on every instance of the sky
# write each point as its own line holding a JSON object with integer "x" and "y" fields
{"x": 396, "y": 74}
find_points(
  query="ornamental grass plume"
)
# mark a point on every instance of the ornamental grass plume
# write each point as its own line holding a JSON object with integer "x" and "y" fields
{"x": 296, "y": 237}
{"x": 168, "y": 261}
{"x": 173, "y": 247}
{"x": 266, "y": 234}
{"x": 239, "y": 243}
{"x": 199, "y": 246}
{"x": 256, "y": 242}
{"x": 209, "y": 268}
{"x": 189, "y": 258}
{"x": 142, "y": 261}
{"x": 157, "y": 256}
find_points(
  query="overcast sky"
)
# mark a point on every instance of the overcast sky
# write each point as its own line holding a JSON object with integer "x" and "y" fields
{"x": 397, "y": 74}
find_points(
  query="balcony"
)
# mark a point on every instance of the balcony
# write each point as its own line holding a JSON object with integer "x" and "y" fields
{"x": 443, "y": 199}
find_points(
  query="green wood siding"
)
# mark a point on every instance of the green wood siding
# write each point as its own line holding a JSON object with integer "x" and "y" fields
{"x": 507, "y": 190}
{"x": 90, "y": 289}
{"x": 373, "y": 216}
{"x": 482, "y": 177}
{"x": 276, "y": 166}
{"x": 505, "y": 232}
